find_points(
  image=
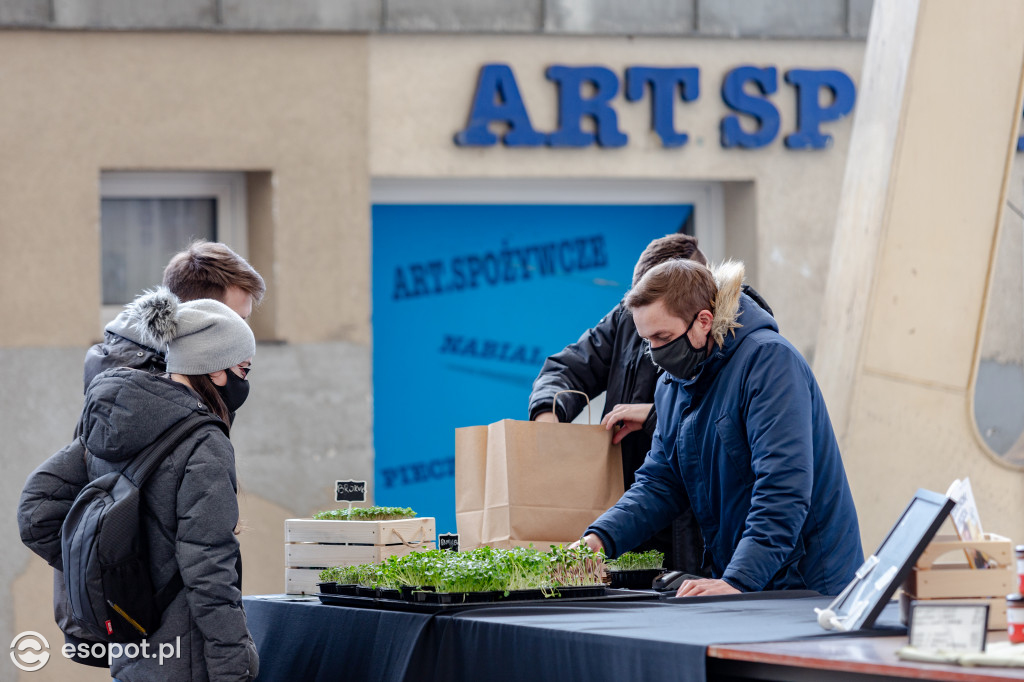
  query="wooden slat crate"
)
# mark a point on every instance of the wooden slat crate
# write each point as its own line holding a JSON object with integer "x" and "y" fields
{"x": 312, "y": 545}
{"x": 994, "y": 546}
{"x": 956, "y": 582}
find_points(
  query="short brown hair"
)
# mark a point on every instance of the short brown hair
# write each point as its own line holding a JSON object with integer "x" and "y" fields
{"x": 666, "y": 248}
{"x": 206, "y": 269}
{"x": 684, "y": 286}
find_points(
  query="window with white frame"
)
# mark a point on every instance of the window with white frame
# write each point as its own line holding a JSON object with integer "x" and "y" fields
{"x": 147, "y": 217}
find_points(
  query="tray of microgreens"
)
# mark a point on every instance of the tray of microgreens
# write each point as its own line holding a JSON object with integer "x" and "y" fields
{"x": 434, "y": 579}
{"x": 365, "y": 514}
{"x": 635, "y": 570}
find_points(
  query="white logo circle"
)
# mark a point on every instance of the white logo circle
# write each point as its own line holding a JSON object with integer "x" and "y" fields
{"x": 29, "y": 651}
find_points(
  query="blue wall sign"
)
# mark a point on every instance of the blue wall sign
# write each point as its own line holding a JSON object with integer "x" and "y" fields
{"x": 468, "y": 300}
{"x": 746, "y": 90}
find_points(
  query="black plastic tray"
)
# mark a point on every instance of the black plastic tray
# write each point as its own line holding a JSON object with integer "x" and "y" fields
{"x": 641, "y": 579}
{"x": 568, "y": 595}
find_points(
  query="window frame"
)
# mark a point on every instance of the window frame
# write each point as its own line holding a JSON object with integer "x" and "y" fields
{"x": 227, "y": 188}
{"x": 707, "y": 197}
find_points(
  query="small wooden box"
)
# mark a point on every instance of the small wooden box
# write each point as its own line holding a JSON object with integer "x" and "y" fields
{"x": 954, "y": 581}
{"x": 312, "y": 545}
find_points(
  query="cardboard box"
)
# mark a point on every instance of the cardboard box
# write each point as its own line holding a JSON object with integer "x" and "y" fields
{"x": 312, "y": 545}
{"x": 943, "y": 573}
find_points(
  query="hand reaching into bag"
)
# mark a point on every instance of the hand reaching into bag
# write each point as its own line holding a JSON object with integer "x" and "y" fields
{"x": 628, "y": 417}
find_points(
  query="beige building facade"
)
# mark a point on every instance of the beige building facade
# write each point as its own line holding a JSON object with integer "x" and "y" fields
{"x": 315, "y": 127}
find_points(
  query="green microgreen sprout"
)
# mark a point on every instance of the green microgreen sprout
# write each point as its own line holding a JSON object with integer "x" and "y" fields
{"x": 637, "y": 561}
{"x": 576, "y": 567}
{"x": 343, "y": 575}
{"x": 485, "y": 569}
{"x": 365, "y": 514}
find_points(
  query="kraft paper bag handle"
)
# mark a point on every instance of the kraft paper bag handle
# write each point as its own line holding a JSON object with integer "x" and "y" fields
{"x": 554, "y": 400}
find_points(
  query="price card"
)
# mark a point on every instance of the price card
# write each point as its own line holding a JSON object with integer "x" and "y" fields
{"x": 350, "y": 491}
{"x": 448, "y": 541}
{"x": 948, "y": 627}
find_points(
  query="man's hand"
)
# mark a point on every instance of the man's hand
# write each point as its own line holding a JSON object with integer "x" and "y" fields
{"x": 631, "y": 416}
{"x": 705, "y": 587}
{"x": 546, "y": 417}
{"x": 592, "y": 541}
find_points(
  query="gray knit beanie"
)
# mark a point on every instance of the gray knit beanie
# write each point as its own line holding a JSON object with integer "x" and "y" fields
{"x": 196, "y": 337}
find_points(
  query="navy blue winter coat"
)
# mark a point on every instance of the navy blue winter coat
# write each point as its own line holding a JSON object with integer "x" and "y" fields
{"x": 749, "y": 442}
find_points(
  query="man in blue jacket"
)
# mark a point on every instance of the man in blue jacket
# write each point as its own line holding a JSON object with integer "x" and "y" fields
{"x": 743, "y": 434}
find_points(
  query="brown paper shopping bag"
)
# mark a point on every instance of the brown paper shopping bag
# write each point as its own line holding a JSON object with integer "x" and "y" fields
{"x": 470, "y": 467}
{"x": 522, "y": 482}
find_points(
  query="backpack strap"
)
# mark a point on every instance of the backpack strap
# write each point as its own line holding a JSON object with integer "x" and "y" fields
{"x": 146, "y": 462}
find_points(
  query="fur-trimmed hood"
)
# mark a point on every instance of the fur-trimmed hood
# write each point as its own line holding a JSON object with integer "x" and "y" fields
{"x": 729, "y": 278}
{"x": 124, "y": 326}
{"x": 154, "y": 316}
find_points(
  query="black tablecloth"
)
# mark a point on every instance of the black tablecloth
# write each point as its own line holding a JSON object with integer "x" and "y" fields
{"x": 302, "y": 641}
{"x": 591, "y": 641}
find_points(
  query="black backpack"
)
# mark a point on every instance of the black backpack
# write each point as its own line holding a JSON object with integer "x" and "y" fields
{"x": 106, "y": 570}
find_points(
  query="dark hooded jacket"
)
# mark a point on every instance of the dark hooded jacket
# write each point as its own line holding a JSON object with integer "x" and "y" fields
{"x": 612, "y": 357}
{"x": 121, "y": 347}
{"x": 748, "y": 443}
{"x": 190, "y": 515}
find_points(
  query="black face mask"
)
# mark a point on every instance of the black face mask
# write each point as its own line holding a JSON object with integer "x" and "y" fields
{"x": 678, "y": 357}
{"x": 234, "y": 392}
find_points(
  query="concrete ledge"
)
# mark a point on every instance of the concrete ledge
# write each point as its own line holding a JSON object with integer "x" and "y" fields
{"x": 490, "y": 16}
{"x": 306, "y": 15}
{"x": 613, "y": 17}
{"x": 772, "y": 18}
{"x": 28, "y": 13}
{"x": 135, "y": 14}
{"x": 858, "y": 18}
{"x": 815, "y": 19}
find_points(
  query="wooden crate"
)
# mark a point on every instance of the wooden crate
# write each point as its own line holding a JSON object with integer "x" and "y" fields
{"x": 312, "y": 545}
{"x": 994, "y": 546}
{"x": 953, "y": 581}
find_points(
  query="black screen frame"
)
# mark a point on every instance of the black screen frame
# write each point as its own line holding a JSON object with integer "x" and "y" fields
{"x": 922, "y": 534}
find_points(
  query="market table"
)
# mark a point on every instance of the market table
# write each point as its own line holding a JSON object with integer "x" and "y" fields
{"x": 306, "y": 640}
{"x": 593, "y": 641}
{"x": 841, "y": 659}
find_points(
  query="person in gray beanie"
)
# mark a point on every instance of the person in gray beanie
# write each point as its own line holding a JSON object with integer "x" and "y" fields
{"x": 190, "y": 501}
{"x": 199, "y": 339}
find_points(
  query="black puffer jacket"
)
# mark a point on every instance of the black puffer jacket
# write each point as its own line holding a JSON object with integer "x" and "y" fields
{"x": 612, "y": 357}
{"x": 191, "y": 513}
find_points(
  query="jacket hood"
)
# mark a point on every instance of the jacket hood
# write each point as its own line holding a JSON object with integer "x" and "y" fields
{"x": 128, "y": 409}
{"x": 124, "y": 326}
{"x": 729, "y": 278}
{"x": 736, "y": 314}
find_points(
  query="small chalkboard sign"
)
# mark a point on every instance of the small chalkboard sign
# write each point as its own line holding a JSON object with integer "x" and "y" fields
{"x": 350, "y": 491}
{"x": 449, "y": 541}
